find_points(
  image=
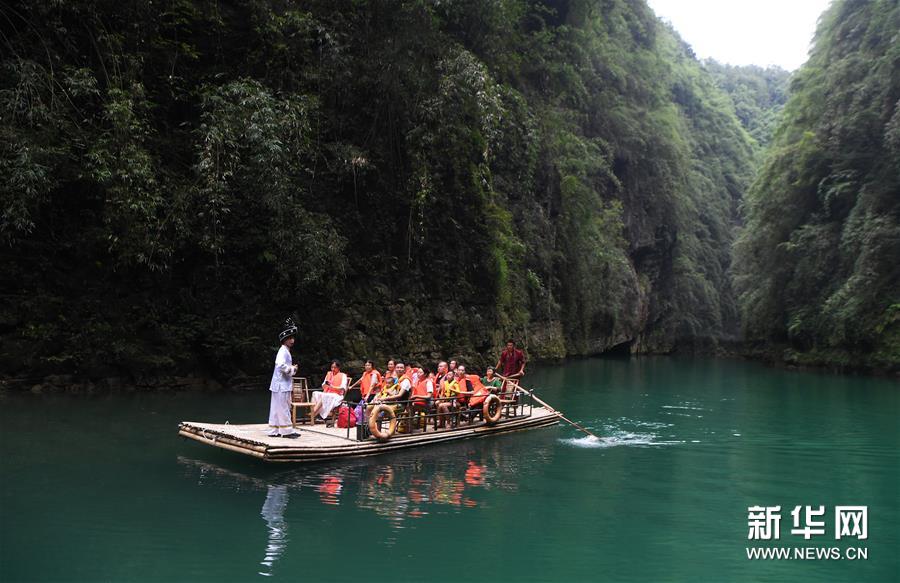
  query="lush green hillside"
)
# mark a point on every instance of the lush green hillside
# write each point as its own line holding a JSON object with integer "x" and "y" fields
{"x": 405, "y": 177}
{"x": 818, "y": 264}
{"x": 758, "y": 94}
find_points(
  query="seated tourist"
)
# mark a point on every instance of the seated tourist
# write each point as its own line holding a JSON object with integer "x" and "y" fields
{"x": 370, "y": 382}
{"x": 466, "y": 389}
{"x": 491, "y": 381}
{"x": 390, "y": 371}
{"x": 398, "y": 398}
{"x": 332, "y": 392}
{"x": 442, "y": 372}
{"x": 423, "y": 393}
{"x": 479, "y": 393}
{"x": 449, "y": 389}
{"x": 416, "y": 372}
{"x": 404, "y": 384}
{"x": 386, "y": 386}
{"x": 395, "y": 390}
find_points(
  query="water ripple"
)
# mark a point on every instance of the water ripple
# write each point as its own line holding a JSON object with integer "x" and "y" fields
{"x": 621, "y": 438}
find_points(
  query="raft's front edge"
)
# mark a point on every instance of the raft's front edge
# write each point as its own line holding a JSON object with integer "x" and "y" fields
{"x": 296, "y": 454}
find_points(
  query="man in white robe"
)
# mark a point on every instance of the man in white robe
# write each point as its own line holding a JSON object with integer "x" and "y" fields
{"x": 282, "y": 380}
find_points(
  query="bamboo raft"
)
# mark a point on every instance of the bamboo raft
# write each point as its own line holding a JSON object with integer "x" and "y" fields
{"x": 319, "y": 443}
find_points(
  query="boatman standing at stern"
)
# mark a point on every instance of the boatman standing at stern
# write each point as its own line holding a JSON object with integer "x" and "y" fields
{"x": 512, "y": 361}
{"x": 282, "y": 380}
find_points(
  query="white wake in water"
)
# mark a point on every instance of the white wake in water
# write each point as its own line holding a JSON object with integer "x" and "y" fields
{"x": 617, "y": 439}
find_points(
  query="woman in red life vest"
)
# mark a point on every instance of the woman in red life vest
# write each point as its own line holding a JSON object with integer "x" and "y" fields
{"x": 370, "y": 381}
{"x": 415, "y": 372}
{"x": 391, "y": 371}
{"x": 332, "y": 392}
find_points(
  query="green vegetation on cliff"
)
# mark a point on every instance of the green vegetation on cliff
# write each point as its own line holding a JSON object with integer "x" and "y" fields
{"x": 758, "y": 94}
{"x": 405, "y": 177}
{"x": 817, "y": 264}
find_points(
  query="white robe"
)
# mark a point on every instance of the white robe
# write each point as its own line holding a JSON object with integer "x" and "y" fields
{"x": 280, "y": 387}
{"x": 284, "y": 370}
{"x": 280, "y": 415}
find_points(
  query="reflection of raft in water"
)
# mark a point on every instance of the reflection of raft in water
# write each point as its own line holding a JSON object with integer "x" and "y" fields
{"x": 318, "y": 443}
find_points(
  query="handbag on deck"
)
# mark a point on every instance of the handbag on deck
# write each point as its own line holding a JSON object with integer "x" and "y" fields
{"x": 346, "y": 417}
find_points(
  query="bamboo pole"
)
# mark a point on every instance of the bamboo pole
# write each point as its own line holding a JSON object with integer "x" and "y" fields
{"x": 217, "y": 435}
{"x": 222, "y": 444}
{"x": 547, "y": 405}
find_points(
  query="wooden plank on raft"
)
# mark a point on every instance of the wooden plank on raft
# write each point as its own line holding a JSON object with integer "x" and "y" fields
{"x": 394, "y": 445}
{"x": 300, "y": 456}
{"x": 323, "y": 443}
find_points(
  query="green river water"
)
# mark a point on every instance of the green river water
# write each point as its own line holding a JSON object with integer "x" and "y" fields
{"x": 101, "y": 488}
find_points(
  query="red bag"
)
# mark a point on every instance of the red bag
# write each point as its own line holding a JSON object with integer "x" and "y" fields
{"x": 346, "y": 417}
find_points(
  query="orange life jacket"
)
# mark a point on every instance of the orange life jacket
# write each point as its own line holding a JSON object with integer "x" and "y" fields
{"x": 335, "y": 382}
{"x": 481, "y": 391}
{"x": 464, "y": 387}
{"x": 420, "y": 391}
{"x": 366, "y": 385}
{"x": 408, "y": 377}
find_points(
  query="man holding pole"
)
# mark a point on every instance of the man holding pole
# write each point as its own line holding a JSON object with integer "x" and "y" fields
{"x": 512, "y": 361}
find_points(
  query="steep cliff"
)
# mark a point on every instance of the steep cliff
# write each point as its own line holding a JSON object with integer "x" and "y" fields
{"x": 404, "y": 177}
{"x": 818, "y": 264}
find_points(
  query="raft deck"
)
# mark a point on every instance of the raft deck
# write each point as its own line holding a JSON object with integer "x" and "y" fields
{"x": 318, "y": 443}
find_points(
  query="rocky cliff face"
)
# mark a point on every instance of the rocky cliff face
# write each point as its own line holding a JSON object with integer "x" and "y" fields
{"x": 817, "y": 264}
{"x": 405, "y": 178}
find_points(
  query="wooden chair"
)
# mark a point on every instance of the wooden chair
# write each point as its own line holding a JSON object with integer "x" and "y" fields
{"x": 508, "y": 397}
{"x": 419, "y": 415}
{"x": 300, "y": 398}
